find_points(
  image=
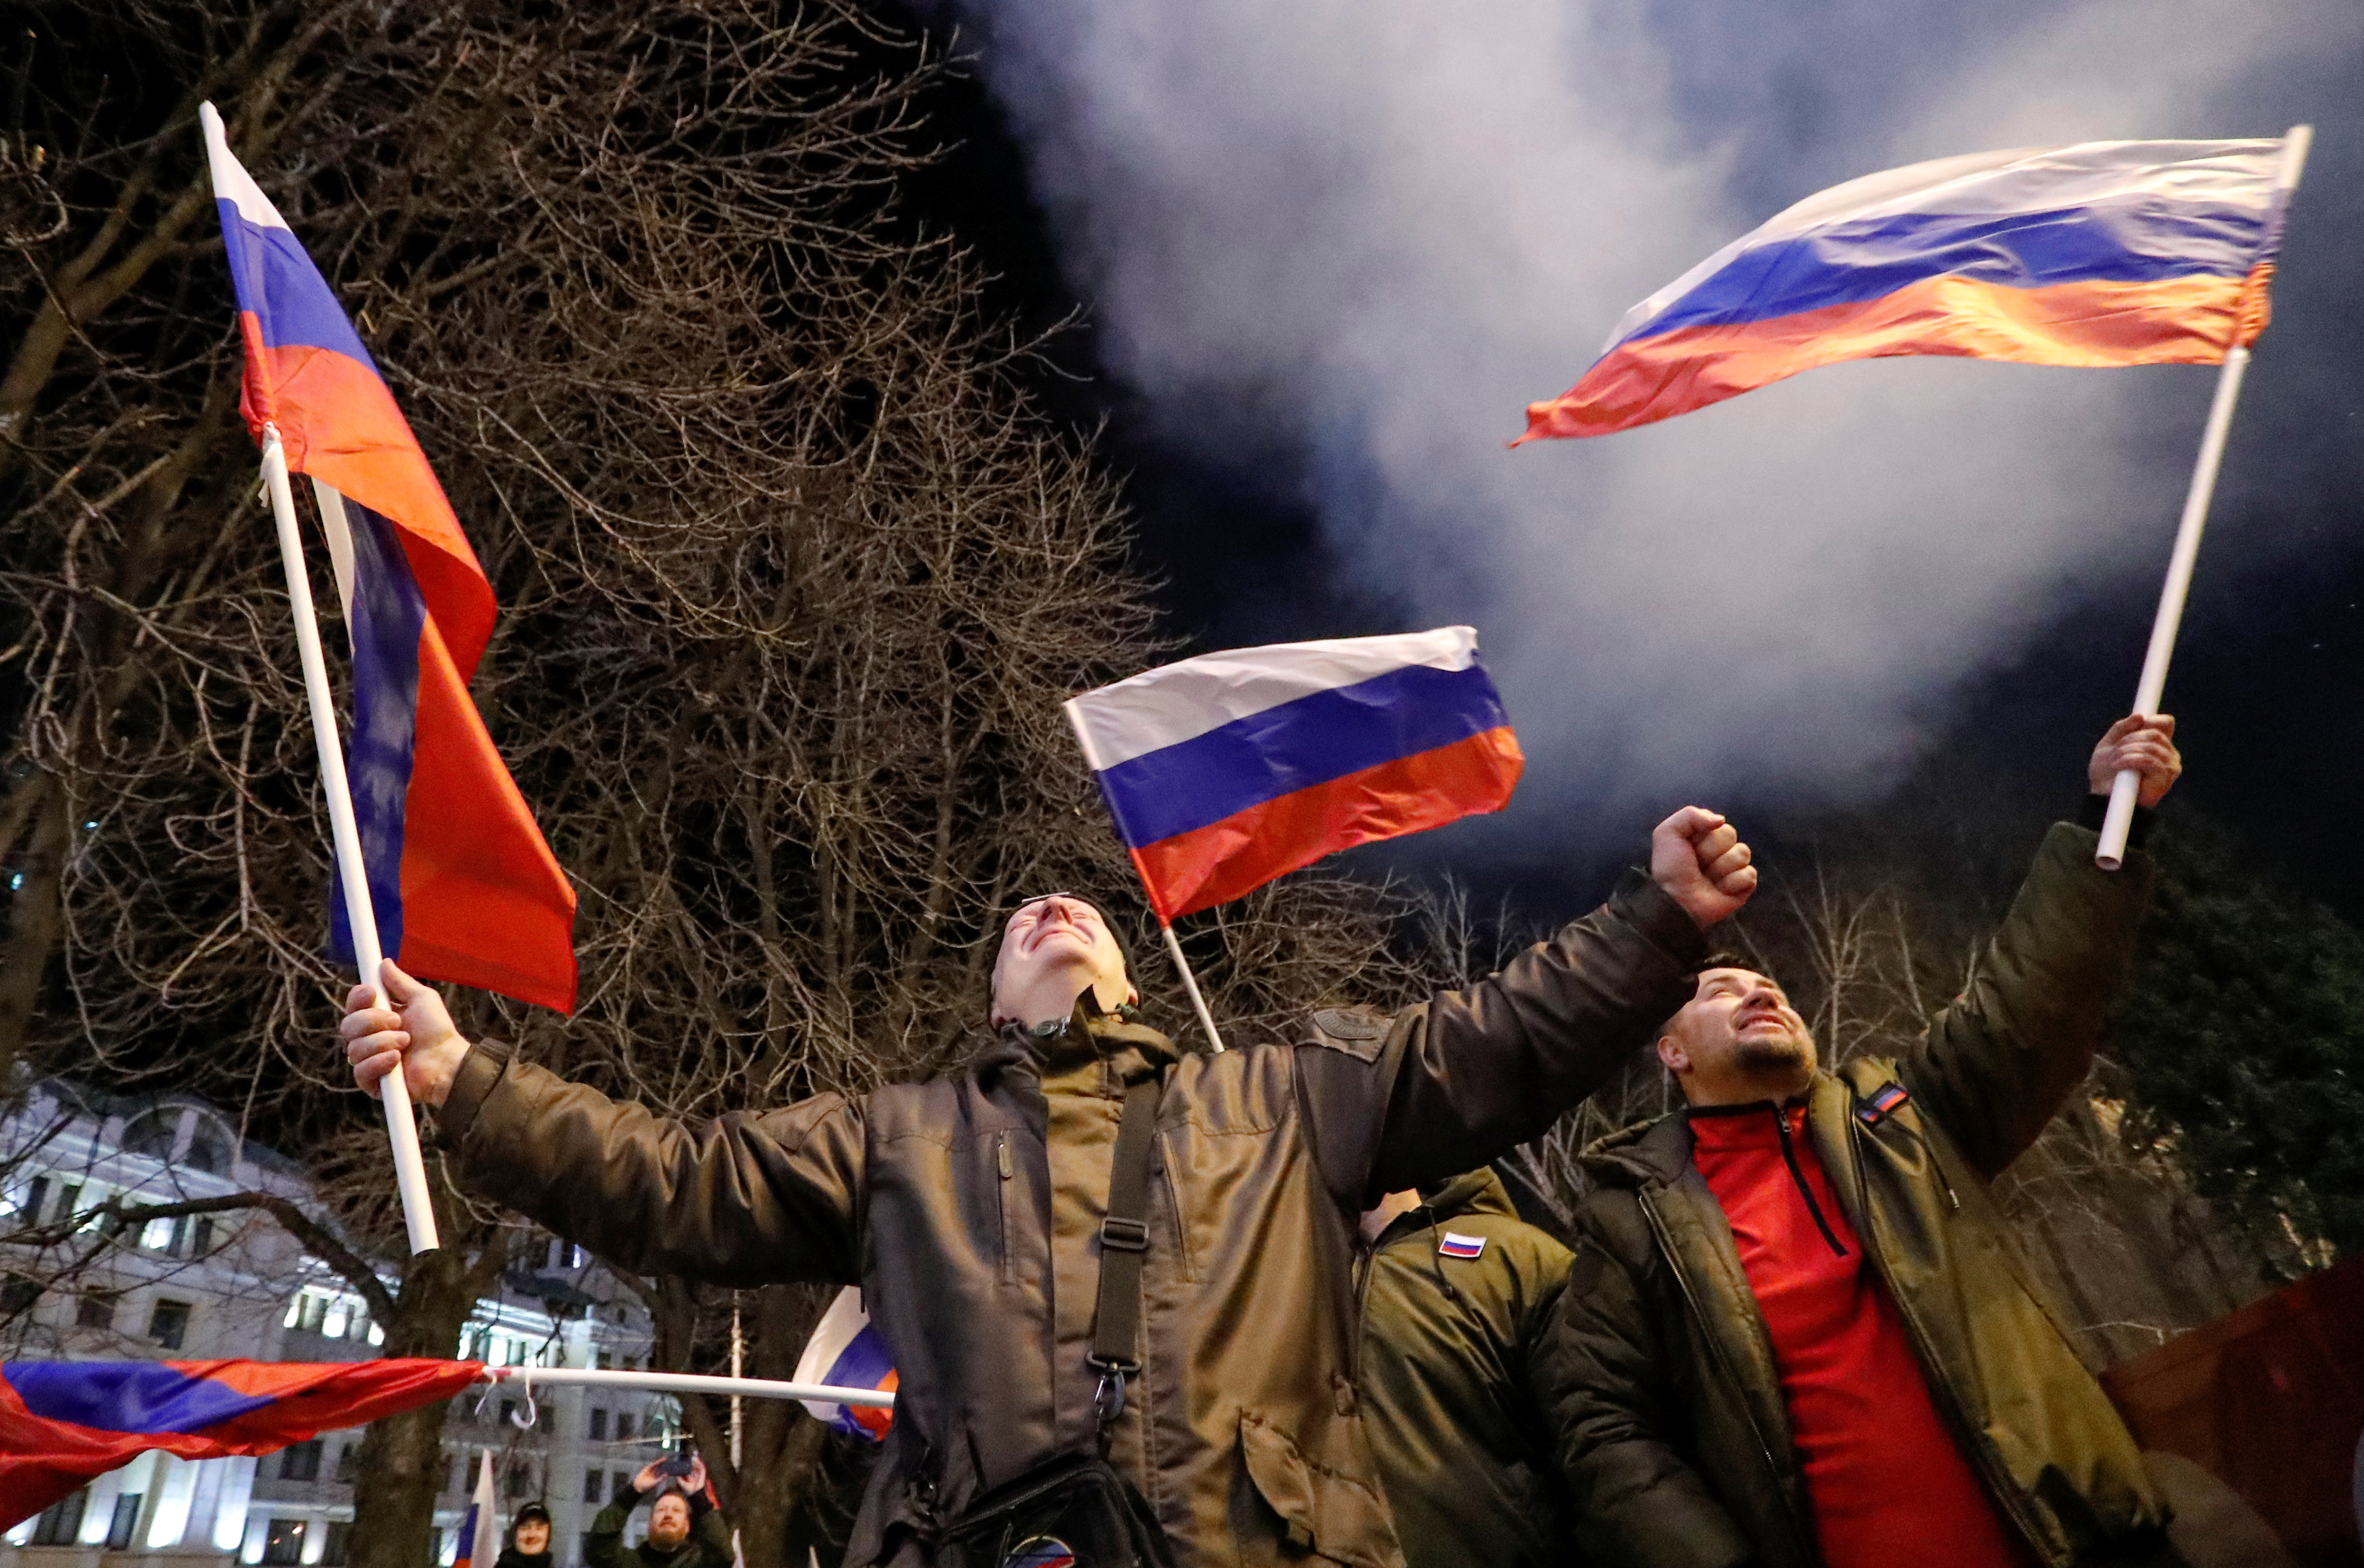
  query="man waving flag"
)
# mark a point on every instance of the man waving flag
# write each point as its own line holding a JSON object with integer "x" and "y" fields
{"x": 461, "y": 885}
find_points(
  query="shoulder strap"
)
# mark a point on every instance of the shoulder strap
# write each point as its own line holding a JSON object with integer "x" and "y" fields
{"x": 1124, "y": 1248}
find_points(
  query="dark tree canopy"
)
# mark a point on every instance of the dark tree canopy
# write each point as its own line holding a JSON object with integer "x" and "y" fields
{"x": 2245, "y": 1044}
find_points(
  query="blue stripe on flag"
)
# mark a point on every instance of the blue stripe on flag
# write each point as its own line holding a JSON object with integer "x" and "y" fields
{"x": 1295, "y": 745}
{"x": 2143, "y": 240}
{"x": 290, "y": 300}
{"x": 387, "y": 614}
{"x": 127, "y": 1396}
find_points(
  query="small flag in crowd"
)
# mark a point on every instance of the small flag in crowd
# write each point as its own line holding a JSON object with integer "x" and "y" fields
{"x": 845, "y": 1351}
{"x": 63, "y": 1423}
{"x": 462, "y": 886}
{"x": 2101, "y": 254}
{"x": 479, "y": 1543}
{"x": 1230, "y": 769}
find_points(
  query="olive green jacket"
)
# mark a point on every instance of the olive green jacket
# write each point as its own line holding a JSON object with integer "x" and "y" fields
{"x": 1659, "y": 1374}
{"x": 1448, "y": 1382}
{"x": 973, "y": 1231}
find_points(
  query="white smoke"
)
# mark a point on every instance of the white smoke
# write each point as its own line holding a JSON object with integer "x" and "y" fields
{"x": 1356, "y": 238}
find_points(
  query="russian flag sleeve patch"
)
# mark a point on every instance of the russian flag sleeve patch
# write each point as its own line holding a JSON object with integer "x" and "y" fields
{"x": 1456, "y": 1245}
{"x": 1884, "y": 1099}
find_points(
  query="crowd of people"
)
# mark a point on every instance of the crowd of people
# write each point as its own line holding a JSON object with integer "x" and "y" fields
{"x": 1152, "y": 1306}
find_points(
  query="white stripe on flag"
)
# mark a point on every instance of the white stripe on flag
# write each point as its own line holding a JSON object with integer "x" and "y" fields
{"x": 1180, "y": 702}
{"x": 487, "y": 1547}
{"x": 233, "y": 184}
{"x": 2018, "y": 179}
{"x": 340, "y": 544}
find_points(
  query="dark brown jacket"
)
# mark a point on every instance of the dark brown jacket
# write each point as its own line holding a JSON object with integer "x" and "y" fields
{"x": 1659, "y": 1371}
{"x": 972, "y": 1230}
{"x": 1448, "y": 1380}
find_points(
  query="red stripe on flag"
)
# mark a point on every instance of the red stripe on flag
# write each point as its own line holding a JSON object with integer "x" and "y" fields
{"x": 1208, "y": 866}
{"x": 339, "y": 424}
{"x": 42, "y": 1461}
{"x": 483, "y": 901}
{"x": 2095, "y": 325}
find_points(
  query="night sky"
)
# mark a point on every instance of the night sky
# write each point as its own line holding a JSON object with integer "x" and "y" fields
{"x": 2264, "y": 682}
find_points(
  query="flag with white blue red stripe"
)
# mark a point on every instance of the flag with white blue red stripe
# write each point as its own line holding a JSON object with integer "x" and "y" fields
{"x": 63, "y": 1423}
{"x": 846, "y": 1350}
{"x": 461, "y": 882}
{"x": 1227, "y": 770}
{"x": 2101, "y": 254}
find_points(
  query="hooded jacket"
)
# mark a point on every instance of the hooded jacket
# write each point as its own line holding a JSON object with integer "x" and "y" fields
{"x": 967, "y": 1209}
{"x": 1659, "y": 1374}
{"x": 1449, "y": 1380}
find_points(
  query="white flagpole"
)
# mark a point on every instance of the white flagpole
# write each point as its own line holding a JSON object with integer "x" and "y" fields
{"x": 686, "y": 1383}
{"x": 1191, "y": 984}
{"x": 2111, "y": 851}
{"x": 401, "y": 1126}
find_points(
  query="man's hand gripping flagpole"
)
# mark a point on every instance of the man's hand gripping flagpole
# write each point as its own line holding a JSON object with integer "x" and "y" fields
{"x": 2112, "y": 852}
{"x": 401, "y": 1124}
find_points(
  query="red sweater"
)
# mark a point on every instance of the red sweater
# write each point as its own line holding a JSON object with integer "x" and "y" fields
{"x": 1886, "y": 1482}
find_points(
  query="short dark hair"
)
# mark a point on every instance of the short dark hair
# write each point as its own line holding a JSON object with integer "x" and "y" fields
{"x": 1721, "y": 958}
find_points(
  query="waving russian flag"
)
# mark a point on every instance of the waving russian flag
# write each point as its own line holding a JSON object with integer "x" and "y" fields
{"x": 63, "y": 1422}
{"x": 1227, "y": 770}
{"x": 461, "y": 881}
{"x": 845, "y": 1351}
{"x": 2105, "y": 253}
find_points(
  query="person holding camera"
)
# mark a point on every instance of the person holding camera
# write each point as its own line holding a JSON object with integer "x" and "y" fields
{"x": 685, "y": 1530}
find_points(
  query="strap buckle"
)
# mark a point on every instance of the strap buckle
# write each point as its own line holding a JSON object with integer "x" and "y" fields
{"x": 1108, "y": 1400}
{"x": 1124, "y": 1234}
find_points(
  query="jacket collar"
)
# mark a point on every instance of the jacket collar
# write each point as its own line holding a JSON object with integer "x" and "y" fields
{"x": 1478, "y": 1191}
{"x": 1129, "y": 1049}
{"x": 1656, "y": 1153}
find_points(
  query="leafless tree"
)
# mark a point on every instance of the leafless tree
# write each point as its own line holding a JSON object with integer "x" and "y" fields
{"x": 794, "y": 581}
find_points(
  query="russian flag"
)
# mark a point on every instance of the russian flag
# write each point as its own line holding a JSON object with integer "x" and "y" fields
{"x": 2101, "y": 254}
{"x": 1227, "y": 770}
{"x": 845, "y": 1351}
{"x": 462, "y": 886}
{"x": 479, "y": 1545}
{"x": 63, "y": 1423}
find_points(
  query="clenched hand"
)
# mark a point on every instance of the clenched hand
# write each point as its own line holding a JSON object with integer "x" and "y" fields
{"x": 1697, "y": 858}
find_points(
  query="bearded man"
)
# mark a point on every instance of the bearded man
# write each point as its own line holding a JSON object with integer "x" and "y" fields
{"x": 1796, "y": 1332}
{"x": 975, "y": 1211}
{"x": 685, "y": 1529}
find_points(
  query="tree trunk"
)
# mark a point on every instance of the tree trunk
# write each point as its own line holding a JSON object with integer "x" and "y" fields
{"x": 402, "y": 1456}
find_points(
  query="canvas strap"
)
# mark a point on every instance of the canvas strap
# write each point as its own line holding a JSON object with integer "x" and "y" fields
{"x": 1124, "y": 1249}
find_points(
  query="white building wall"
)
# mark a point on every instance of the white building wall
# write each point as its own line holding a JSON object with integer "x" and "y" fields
{"x": 256, "y": 1295}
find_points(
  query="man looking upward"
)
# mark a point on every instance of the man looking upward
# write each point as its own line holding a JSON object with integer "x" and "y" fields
{"x": 970, "y": 1209}
{"x": 1796, "y": 1331}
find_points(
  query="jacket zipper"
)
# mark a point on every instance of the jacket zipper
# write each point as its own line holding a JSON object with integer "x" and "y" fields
{"x": 1973, "y": 1444}
{"x": 1723, "y": 1365}
{"x": 1005, "y": 1170}
{"x": 1797, "y": 1174}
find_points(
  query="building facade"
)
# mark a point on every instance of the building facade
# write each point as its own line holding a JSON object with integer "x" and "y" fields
{"x": 235, "y": 1284}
